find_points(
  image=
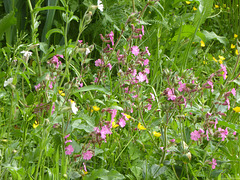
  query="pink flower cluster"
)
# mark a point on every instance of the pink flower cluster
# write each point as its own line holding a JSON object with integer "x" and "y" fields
{"x": 87, "y": 155}
{"x": 195, "y": 135}
{"x": 56, "y": 61}
{"x": 68, "y": 149}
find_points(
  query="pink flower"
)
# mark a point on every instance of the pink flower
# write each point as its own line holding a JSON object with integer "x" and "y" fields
{"x": 215, "y": 125}
{"x": 214, "y": 163}
{"x": 233, "y": 91}
{"x": 234, "y": 133}
{"x": 135, "y": 96}
{"x": 141, "y": 77}
{"x": 223, "y": 133}
{"x": 140, "y": 36}
{"x": 172, "y": 140}
{"x": 182, "y": 86}
{"x": 69, "y": 149}
{"x": 170, "y": 94}
{"x": 224, "y": 69}
{"x": 109, "y": 66}
{"x": 149, "y": 107}
{"x": 153, "y": 97}
{"x": 67, "y": 136}
{"x": 84, "y": 167}
{"x": 114, "y": 113}
{"x": 207, "y": 135}
{"x": 37, "y": 87}
{"x": 135, "y": 50}
{"x": 68, "y": 141}
{"x": 99, "y": 63}
{"x": 134, "y": 73}
{"x": 146, "y": 70}
{"x": 143, "y": 30}
{"x": 105, "y": 130}
{"x": 145, "y": 62}
{"x": 96, "y": 129}
{"x": 53, "y": 108}
{"x": 87, "y": 155}
{"x": 111, "y": 37}
{"x": 80, "y": 41}
{"x": 147, "y": 51}
{"x": 211, "y": 84}
{"x": 195, "y": 135}
{"x": 122, "y": 122}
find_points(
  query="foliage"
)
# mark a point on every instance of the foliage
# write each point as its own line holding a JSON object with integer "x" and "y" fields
{"x": 119, "y": 89}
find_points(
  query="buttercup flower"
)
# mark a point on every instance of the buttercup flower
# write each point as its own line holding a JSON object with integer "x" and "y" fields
{"x": 235, "y": 36}
{"x": 236, "y": 52}
{"x": 114, "y": 125}
{"x": 96, "y": 108}
{"x": 61, "y": 92}
{"x": 35, "y": 124}
{"x": 232, "y": 46}
{"x": 188, "y": 2}
{"x": 202, "y": 43}
{"x": 156, "y": 134}
{"x": 194, "y": 8}
{"x": 216, "y": 6}
{"x": 141, "y": 127}
{"x": 221, "y": 58}
{"x": 237, "y": 109}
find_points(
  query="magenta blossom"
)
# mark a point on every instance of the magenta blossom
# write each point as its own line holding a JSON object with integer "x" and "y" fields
{"x": 223, "y": 132}
{"x": 215, "y": 124}
{"x": 147, "y": 51}
{"x": 143, "y": 30}
{"x": 109, "y": 66}
{"x": 67, "y": 136}
{"x": 145, "y": 62}
{"x": 37, "y": 87}
{"x": 122, "y": 122}
{"x": 104, "y": 131}
{"x": 182, "y": 86}
{"x": 87, "y": 155}
{"x": 170, "y": 94}
{"x": 135, "y": 50}
{"x": 233, "y": 91}
{"x": 99, "y": 63}
{"x": 214, "y": 163}
{"x": 153, "y": 97}
{"x": 195, "y": 135}
{"x": 224, "y": 69}
{"x": 172, "y": 140}
{"x": 111, "y": 37}
{"x": 68, "y": 150}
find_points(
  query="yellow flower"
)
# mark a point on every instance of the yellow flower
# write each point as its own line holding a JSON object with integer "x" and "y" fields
{"x": 202, "y": 43}
{"x": 215, "y": 59}
{"x": 235, "y": 35}
{"x": 236, "y": 109}
{"x": 236, "y": 52}
{"x": 232, "y": 46}
{"x": 35, "y": 124}
{"x": 95, "y": 108}
{"x": 204, "y": 62}
{"x": 157, "y": 134}
{"x": 127, "y": 116}
{"x": 220, "y": 61}
{"x": 216, "y": 6}
{"x": 114, "y": 125}
{"x": 61, "y": 93}
{"x": 221, "y": 57}
{"x": 85, "y": 172}
{"x": 194, "y": 8}
{"x": 141, "y": 127}
{"x": 188, "y": 2}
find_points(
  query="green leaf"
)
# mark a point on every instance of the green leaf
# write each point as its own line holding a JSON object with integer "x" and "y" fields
{"x": 55, "y": 30}
{"x": 105, "y": 175}
{"x": 6, "y": 22}
{"x": 212, "y": 35}
{"x": 137, "y": 171}
{"x": 47, "y": 8}
{"x": 93, "y": 88}
{"x": 25, "y": 77}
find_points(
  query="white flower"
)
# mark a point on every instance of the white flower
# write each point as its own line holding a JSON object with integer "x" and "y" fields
{"x": 26, "y": 54}
{"x": 100, "y": 5}
{"x": 87, "y": 51}
{"x": 7, "y": 82}
{"x": 74, "y": 108}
